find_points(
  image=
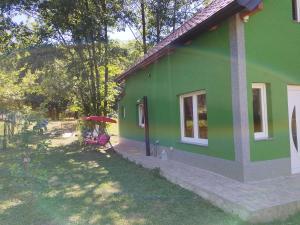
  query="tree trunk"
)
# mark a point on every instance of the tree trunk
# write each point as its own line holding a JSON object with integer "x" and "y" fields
{"x": 158, "y": 21}
{"x": 84, "y": 74}
{"x": 97, "y": 78}
{"x": 93, "y": 82}
{"x": 174, "y": 15}
{"x": 89, "y": 37}
{"x": 84, "y": 102}
{"x": 144, "y": 26}
{"x": 105, "y": 103}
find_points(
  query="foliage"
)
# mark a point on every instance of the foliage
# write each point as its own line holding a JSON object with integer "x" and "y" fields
{"x": 23, "y": 140}
{"x": 153, "y": 20}
{"x": 63, "y": 58}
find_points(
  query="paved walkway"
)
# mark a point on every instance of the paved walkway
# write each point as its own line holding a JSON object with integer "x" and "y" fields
{"x": 261, "y": 201}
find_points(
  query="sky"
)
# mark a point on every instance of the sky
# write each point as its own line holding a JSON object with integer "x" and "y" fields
{"x": 122, "y": 36}
{"x": 116, "y": 35}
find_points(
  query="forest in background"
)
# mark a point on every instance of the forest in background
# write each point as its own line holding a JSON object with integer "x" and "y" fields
{"x": 62, "y": 60}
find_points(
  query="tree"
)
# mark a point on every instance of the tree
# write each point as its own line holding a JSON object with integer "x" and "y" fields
{"x": 66, "y": 58}
{"x": 155, "y": 19}
{"x": 80, "y": 28}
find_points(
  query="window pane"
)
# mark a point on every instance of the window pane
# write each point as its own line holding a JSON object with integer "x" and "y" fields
{"x": 141, "y": 114}
{"x": 202, "y": 116}
{"x": 294, "y": 129}
{"x": 257, "y": 110}
{"x": 295, "y": 10}
{"x": 188, "y": 116}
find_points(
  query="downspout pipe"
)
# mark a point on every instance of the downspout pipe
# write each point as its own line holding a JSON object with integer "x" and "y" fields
{"x": 146, "y": 125}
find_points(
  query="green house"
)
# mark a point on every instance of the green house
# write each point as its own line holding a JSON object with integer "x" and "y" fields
{"x": 223, "y": 91}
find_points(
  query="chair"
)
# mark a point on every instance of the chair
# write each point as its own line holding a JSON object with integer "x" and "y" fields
{"x": 101, "y": 140}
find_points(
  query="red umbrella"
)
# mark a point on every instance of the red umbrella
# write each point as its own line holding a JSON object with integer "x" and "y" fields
{"x": 101, "y": 119}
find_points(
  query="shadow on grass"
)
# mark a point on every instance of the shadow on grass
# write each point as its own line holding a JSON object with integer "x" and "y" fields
{"x": 67, "y": 185}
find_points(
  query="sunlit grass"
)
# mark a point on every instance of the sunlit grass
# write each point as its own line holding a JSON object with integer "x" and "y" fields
{"x": 74, "y": 191}
{"x": 66, "y": 185}
{"x": 7, "y": 204}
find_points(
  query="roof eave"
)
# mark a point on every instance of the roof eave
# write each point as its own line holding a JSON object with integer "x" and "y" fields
{"x": 249, "y": 4}
{"x": 226, "y": 12}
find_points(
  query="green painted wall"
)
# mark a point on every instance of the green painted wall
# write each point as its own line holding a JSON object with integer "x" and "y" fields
{"x": 273, "y": 57}
{"x": 205, "y": 64}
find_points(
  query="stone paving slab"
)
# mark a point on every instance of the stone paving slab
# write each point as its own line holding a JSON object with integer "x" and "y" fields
{"x": 261, "y": 201}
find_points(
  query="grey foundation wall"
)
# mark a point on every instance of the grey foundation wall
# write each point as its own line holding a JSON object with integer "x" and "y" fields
{"x": 226, "y": 168}
{"x": 253, "y": 171}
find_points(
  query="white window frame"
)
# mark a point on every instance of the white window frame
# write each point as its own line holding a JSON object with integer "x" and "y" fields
{"x": 297, "y": 10}
{"x": 195, "y": 140}
{"x": 264, "y": 108}
{"x": 140, "y": 115}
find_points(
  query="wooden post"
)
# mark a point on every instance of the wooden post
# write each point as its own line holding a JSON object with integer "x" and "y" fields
{"x": 147, "y": 141}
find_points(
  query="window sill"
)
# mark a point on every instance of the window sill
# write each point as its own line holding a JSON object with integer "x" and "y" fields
{"x": 193, "y": 143}
{"x": 263, "y": 139}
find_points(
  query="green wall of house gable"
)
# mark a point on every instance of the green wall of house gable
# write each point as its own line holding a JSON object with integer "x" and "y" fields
{"x": 204, "y": 64}
{"x": 273, "y": 57}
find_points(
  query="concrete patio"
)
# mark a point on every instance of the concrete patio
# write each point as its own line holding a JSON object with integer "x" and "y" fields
{"x": 262, "y": 201}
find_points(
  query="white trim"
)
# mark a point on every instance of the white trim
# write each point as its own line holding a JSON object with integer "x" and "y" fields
{"x": 195, "y": 140}
{"x": 265, "y": 132}
{"x": 297, "y": 10}
{"x": 293, "y": 87}
{"x": 141, "y": 115}
{"x": 293, "y": 92}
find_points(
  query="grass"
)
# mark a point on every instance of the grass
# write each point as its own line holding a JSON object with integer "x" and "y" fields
{"x": 68, "y": 185}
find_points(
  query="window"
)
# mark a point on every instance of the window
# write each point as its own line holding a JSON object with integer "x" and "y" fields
{"x": 296, "y": 10}
{"x": 193, "y": 112}
{"x": 260, "y": 118}
{"x": 294, "y": 129}
{"x": 141, "y": 115}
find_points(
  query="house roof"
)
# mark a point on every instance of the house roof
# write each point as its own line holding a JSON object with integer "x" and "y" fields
{"x": 204, "y": 19}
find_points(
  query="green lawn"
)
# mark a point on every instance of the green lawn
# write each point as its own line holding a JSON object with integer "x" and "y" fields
{"x": 66, "y": 185}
